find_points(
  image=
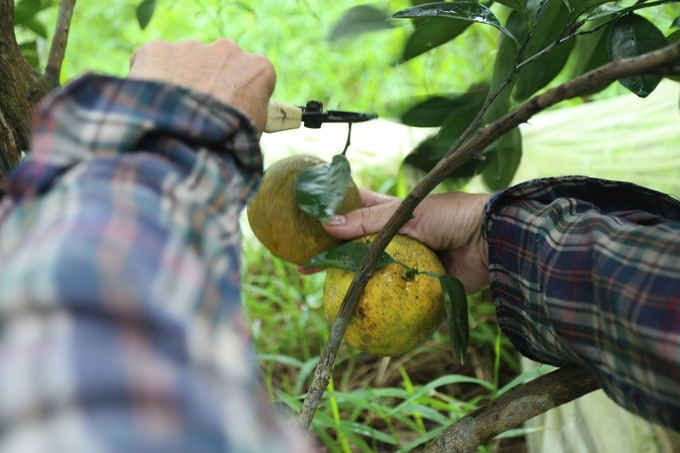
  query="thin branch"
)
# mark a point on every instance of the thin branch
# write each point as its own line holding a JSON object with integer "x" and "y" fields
{"x": 513, "y": 408}
{"x": 58, "y": 48}
{"x": 667, "y": 57}
{"x": 511, "y": 74}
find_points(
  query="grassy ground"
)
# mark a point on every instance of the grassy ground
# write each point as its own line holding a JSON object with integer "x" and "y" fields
{"x": 373, "y": 404}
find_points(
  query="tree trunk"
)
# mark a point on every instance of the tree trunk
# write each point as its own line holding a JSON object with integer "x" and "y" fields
{"x": 21, "y": 89}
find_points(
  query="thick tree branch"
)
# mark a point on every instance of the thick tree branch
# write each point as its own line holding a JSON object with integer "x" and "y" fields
{"x": 513, "y": 408}
{"x": 587, "y": 83}
{"x": 21, "y": 88}
{"x": 58, "y": 48}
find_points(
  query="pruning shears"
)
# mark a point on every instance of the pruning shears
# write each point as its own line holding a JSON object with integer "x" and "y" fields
{"x": 282, "y": 116}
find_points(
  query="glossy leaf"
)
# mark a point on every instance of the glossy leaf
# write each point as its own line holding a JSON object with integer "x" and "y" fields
{"x": 505, "y": 60}
{"x": 591, "y": 51}
{"x": 360, "y": 19}
{"x": 633, "y": 35}
{"x": 539, "y": 73}
{"x": 432, "y": 33}
{"x": 456, "y": 316}
{"x": 434, "y": 111}
{"x": 348, "y": 257}
{"x": 502, "y": 160}
{"x": 419, "y": 158}
{"x": 319, "y": 190}
{"x": 609, "y": 10}
{"x": 676, "y": 23}
{"x": 458, "y": 121}
{"x": 30, "y": 53}
{"x": 145, "y": 12}
{"x": 462, "y": 10}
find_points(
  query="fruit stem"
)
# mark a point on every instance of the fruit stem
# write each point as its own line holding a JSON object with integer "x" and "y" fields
{"x": 409, "y": 273}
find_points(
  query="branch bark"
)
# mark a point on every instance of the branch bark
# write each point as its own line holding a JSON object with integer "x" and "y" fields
{"x": 663, "y": 58}
{"x": 513, "y": 408}
{"x": 21, "y": 89}
{"x": 58, "y": 48}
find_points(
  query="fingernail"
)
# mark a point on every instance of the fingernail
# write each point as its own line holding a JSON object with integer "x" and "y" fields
{"x": 338, "y": 220}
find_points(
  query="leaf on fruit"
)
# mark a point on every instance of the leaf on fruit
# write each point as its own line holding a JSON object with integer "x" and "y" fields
{"x": 360, "y": 19}
{"x": 347, "y": 257}
{"x": 456, "y": 315}
{"x": 319, "y": 190}
{"x": 463, "y": 10}
{"x": 631, "y": 36}
{"x": 145, "y": 12}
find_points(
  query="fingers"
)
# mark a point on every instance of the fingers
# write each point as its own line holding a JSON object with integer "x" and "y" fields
{"x": 377, "y": 211}
{"x": 221, "y": 69}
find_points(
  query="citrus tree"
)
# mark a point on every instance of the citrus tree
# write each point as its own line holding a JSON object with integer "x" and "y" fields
{"x": 478, "y": 134}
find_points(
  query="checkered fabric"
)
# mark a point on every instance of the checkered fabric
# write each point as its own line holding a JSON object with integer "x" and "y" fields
{"x": 587, "y": 271}
{"x": 120, "y": 325}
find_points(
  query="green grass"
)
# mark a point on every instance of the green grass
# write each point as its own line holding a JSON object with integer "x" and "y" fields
{"x": 375, "y": 404}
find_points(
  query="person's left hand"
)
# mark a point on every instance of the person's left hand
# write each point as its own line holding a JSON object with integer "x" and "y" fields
{"x": 238, "y": 78}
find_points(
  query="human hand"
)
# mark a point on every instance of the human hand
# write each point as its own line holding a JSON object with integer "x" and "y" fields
{"x": 238, "y": 78}
{"x": 448, "y": 223}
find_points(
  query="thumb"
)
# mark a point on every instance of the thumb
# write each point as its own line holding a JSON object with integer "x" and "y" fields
{"x": 372, "y": 217}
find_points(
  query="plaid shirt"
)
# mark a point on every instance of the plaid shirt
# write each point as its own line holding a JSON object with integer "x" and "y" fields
{"x": 120, "y": 326}
{"x": 587, "y": 271}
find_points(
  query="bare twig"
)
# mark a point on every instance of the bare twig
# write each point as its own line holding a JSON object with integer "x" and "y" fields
{"x": 667, "y": 57}
{"x": 514, "y": 408}
{"x": 58, "y": 48}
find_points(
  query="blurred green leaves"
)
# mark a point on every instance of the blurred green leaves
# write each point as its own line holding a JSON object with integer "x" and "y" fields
{"x": 360, "y": 19}
{"x": 144, "y": 12}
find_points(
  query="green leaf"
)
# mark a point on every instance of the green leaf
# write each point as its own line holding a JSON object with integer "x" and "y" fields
{"x": 502, "y": 160}
{"x": 539, "y": 73}
{"x": 633, "y": 35}
{"x": 30, "y": 52}
{"x": 434, "y": 111}
{"x": 456, "y": 315}
{"x": 26, "y": 9}
{"x": 360, "y": 19}
{"x": 457, "y": 122}
{"x": 603, "y": 11}
{"x": 348, "y": 257}
{"x": 319, "y": 190}
{"x": 145, "y": 12}
{"x": 505, "y": 61}
{"x": 676, "y": 23}
{"x": 591, "y": 51}
{"x": 463, "y": 10}
{"x": 35, "y": 26}
{"x": 432, "y": 33}
{"x": 672, "y": 39}
{"x": 518, "y": 5}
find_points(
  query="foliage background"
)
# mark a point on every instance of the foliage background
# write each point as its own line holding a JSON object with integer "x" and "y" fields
{"x": 367, "y": 410}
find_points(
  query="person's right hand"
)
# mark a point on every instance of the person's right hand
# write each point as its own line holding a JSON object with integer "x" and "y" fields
{"x": 448, "y": 223}
{"x": 238, "y": 78}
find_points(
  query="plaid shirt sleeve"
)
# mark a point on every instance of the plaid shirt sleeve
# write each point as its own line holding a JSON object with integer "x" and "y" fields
{"x": 120, "y": 324}
{"x": 587, "y": 271}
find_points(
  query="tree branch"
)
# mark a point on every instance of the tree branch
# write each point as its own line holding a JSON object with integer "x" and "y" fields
{"x": 589, "y": 82}
{"x": 58, "y": 48}
{"x": 513, "y": 408}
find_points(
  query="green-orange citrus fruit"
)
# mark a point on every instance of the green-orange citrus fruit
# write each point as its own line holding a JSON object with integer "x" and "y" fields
{"x": 394, "y": 315}
{"x": 280, "y": 225}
